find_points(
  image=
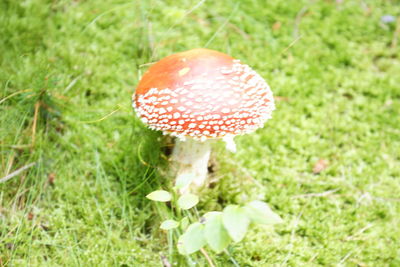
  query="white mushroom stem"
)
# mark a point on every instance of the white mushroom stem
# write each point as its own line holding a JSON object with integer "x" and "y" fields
{"x": 191, "y": 158}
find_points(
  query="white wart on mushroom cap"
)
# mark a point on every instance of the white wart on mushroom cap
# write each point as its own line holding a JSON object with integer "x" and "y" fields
{"x": 202, "y": 94}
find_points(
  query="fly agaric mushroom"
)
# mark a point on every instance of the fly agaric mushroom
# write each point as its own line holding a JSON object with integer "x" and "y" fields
{"x": 200, "y": 95}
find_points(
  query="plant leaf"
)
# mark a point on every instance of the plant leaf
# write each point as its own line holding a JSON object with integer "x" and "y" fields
{"x": 216, "y": 235}
{"x": 169, "y": 224}
{"x": 159, "y": 195}
{"x": 192, "y": 240}
{"x": 184, "y": 180}
{"x": 260, "y": 212}
{"x": 188, "y": 201}
{"x": 235, "y": 221}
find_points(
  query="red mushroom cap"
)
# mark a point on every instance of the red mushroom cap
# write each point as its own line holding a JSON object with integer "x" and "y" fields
{"x": 203, "y": 93}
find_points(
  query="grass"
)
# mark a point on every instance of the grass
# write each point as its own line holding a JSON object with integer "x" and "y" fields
{"x": 65, "y": 66}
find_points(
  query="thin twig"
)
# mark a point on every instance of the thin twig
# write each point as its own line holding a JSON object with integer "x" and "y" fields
{"x": 231, "y": 258}
{"x": 166, "y": 33}
{"x": 204, "y": 252}
{"x": 35, "y": 118}
{"x": 194, "y": 7}
{"x": 239, "y": 30}
{"x": 14, "y": 94}
{"x": 322, "y": 194}
{"x": 17, "y": 172}
{"x": 10, "y": 163}
{"x": 222, "y": 25}
{"x": 362, "y": 230}
{"x": 105, "y": 13}
{"x": 313, "y": 257}
{"x": 20, "y": 147}
{"x": 147, "y": 64}
{"x": 345, "y": 258}
{"x": 299, "y": 16}
{"x": 291, "y": 44}
{"x": 103, "y": 118}
{"x": 72, "y": 83}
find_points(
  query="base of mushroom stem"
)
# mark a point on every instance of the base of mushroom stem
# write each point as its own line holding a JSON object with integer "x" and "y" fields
{"x": 191, "y": 159}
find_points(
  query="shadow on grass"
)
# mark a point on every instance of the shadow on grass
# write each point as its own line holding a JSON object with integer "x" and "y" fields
{"x": 137, "y": 163}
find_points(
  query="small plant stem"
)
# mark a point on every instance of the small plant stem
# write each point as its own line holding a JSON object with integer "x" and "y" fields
{"x": 204, "y": 252}
{"x": 17, "y": 172}
{"x": 35, "y": 118}
{"x": 170, "y": 245}
{"x": 197, "y": 213}
{"x": 14, "y": 94}
{"x": 176, "y": 207}
{"x": 178, "y": 212}
{"x": 190, "y": 216}
{"x": 231, "y": 258}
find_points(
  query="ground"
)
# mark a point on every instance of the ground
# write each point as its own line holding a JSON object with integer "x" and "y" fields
{"x": 328, "y": 162}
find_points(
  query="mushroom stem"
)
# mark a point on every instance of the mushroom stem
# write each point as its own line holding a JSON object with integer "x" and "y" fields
{"x": 191, "y": 158}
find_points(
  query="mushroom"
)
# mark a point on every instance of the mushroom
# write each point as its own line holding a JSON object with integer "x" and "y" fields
{"x": 198, "y": 96}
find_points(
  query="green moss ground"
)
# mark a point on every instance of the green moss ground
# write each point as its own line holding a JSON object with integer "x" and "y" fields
{"x": 334, "y": 65}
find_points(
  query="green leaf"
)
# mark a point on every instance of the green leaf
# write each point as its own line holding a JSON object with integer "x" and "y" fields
{"x": 184, "y": 180}
{"x": 260, "y": 212}
{"x": 169, "y": 224}
{"x": 192, "y": 240}
{"x": 188, "y": 201}
{"x": 216, "y": 235}
{"x": 160, "y": 195}
{"x": 235, "y": 221}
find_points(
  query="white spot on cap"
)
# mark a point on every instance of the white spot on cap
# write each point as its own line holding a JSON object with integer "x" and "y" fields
{"x": 226, "y": 71}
